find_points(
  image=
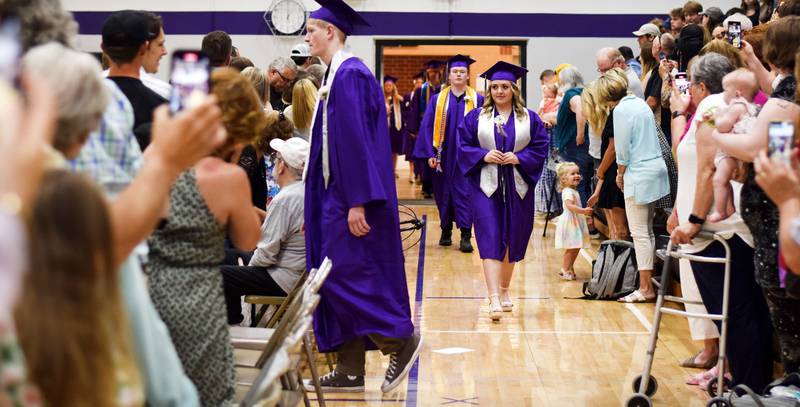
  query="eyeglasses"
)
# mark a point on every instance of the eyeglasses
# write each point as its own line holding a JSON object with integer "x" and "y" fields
{"x": 282, "y": 77}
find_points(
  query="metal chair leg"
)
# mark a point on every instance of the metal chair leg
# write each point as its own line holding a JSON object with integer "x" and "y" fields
{"x": 313, "y": 367}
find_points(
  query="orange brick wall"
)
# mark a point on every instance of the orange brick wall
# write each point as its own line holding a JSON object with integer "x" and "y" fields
{"x": 405, "y": 67}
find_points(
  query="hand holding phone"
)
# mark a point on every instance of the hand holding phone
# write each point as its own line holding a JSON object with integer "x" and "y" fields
{"x": 781, "y": 141}
{"x": 190, "y": 78}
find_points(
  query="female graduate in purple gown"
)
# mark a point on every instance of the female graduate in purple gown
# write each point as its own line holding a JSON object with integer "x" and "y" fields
{"x": 394, "y": 116}
{"x": 502, "y": 153}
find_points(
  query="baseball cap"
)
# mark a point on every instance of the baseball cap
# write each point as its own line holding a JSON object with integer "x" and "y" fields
{"x": 714, "y": 13}
{"x": 126, "y": 28}
{"x": 301, "y": 50}
{"x": 294, "y": 151}
{"x": 648, "y": 29}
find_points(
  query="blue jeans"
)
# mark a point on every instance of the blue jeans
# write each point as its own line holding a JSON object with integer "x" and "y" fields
{"x": 580, "y": 156}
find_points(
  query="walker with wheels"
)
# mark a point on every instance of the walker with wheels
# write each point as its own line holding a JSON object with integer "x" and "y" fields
{"x": 645, "y": 385}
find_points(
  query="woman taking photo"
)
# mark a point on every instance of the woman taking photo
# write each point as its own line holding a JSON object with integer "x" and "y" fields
{"x": 502, "y": 153}
{"x": 208, "y": 202}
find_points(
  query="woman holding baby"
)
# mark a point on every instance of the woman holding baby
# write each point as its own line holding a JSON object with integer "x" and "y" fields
{"x": 750, "y": 332}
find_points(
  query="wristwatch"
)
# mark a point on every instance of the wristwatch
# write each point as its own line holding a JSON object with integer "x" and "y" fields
{"x": 677, "y": 113}
{"x": 696, "y": 220}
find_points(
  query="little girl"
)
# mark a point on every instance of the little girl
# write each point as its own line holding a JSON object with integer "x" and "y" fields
{"x": 572, "y": 232}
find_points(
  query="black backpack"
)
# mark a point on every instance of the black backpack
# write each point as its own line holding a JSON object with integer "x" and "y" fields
{"x": 614, "y": 272}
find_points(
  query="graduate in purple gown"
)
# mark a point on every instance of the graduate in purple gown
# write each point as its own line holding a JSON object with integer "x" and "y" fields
{"x": 394, "y": 116}
{"x": 421, "y": 99}
{"x": 408, "y": 140}
{"x": 351, "y": 214}
{"x": 438, "y": 142}
{"x": 502, "y": 152}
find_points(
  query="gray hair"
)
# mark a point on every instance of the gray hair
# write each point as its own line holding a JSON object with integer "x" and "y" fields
{"x": 611, "y": 54}
{"x": 709, "y": 70}
{"x": 42, "y": 21}
{"x": 318, "y": 72}
{"x": 76, "y": 81}
{"x": 668, "y": 43}
{"x": 570, "y": 77}
{"x": 282, "y": 63}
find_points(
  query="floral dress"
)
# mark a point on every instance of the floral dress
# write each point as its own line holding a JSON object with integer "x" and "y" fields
{"x": 572, "y": 232}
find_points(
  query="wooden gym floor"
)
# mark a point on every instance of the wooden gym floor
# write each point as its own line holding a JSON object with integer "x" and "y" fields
{"x": 550, "y": 351}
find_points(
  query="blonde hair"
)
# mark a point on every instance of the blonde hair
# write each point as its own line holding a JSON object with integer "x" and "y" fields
{"x": 553, "y": 87}
{"x": 561, "y": 172}
{"x": 611, "y": 86}
{"x": 304, "y": 95}
{"x": 277, "y": 126}
{"x": 517, "y": 101}
{"x": 259, "y": 81}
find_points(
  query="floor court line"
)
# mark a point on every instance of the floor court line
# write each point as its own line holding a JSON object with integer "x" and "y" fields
{"x": 535, "y": 332}
{"x": 413, "y": 375}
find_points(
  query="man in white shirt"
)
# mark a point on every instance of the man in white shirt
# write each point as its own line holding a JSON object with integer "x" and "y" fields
{"x": 280, "y": 257}
{"x": 610, "y": 58}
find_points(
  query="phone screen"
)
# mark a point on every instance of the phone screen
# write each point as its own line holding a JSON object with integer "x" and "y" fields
{"x": 10, "y": 51}
{"x": 190, "y": 78}
{"x": 662, "y": 56}
{"x": 781, "y": 137}
{"x": 682, "y": 82}
{"x": 735, "y": 33}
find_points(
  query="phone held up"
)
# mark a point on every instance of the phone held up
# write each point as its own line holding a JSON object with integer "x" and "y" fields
{"x": 682, "y": 82}
{"x": 10, "y": 51}
{"x": 735, "y": 33}
{"x": 190, "y": 78}
{"x": 781, "y": 141}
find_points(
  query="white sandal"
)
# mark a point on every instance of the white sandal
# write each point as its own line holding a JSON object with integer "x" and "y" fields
{"x": 495, "y": 309}
{"x": 506, "y": 305}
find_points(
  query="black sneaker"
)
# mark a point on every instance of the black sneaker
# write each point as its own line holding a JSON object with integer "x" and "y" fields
{"x": 466, "y": 244}
{"x": 335, "y": 382}
{"x": 447, "y": 237}
{"x": 400, "y": 363}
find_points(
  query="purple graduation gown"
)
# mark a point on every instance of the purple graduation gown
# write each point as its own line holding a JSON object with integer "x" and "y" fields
{"x": 502, "y": 222}
{"x": 366, "y": 292}
{"x": 450, "y": 188}
{"x": 408, "y": 141}
{"x": 396, "y": 137}
{"x": 416, "y": 114}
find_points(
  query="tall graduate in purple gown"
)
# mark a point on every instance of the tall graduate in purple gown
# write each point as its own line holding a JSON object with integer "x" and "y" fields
{"x": 438, "y": 142}
{"x": 422, "y": 97}
{"x": 351, "y": 214}
{"x": 394, "y": 116}
{"x": 502, "y": 152}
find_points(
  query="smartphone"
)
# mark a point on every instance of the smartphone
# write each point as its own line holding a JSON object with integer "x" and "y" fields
{"x": 190, "y": 77}
{"x": 781, "y": 140}
{"x": 662, "y": 56}
{"x": 735, "y": 33}
{"x": 682, "y": 82}
{"x": 10, "y": 51}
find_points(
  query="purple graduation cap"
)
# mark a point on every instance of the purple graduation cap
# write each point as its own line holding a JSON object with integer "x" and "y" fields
{"x": 460, "y": 61}
{"x": 433, "y": 64}
{"x": 419, "y": 75}
{"x": 338, "y": 13}
{"x": 504, "y": 71}
{"x": 389, "y": 78}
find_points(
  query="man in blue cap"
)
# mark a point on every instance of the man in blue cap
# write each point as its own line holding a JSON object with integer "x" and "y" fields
{"x": 351, "y": 214}
{"x": 421, "y": 98}
{"x": 437, "y": 141}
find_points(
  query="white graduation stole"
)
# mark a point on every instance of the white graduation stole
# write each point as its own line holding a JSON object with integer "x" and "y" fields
{"x": 489, "y": 172}
{"x": 323, "y": 95}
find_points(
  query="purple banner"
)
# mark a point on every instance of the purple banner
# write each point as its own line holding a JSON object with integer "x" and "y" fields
{"x": 411, "y": 24}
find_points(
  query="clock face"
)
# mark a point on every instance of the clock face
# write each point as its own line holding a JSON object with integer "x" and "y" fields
{"x": 288, "y": 16}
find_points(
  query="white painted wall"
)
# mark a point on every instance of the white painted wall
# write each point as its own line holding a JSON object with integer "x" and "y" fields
{"x": 543, "y": 53}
